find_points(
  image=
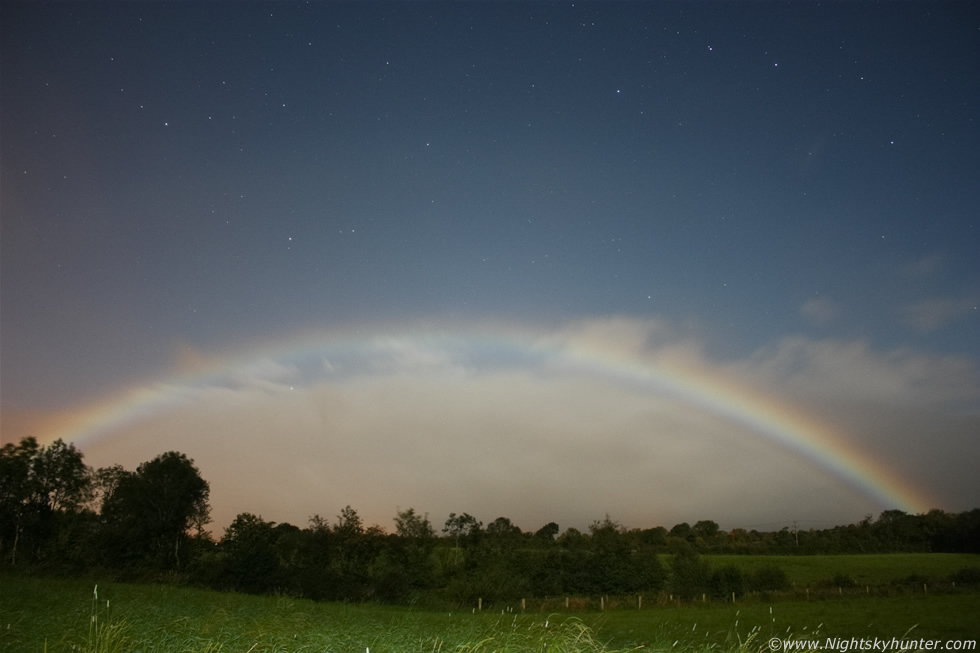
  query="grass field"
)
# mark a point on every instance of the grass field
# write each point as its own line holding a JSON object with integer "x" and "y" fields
{"x": 57, "y": 615}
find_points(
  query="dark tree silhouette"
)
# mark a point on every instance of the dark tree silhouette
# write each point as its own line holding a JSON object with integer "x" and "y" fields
{"x": 148, "y": 515}
{"x": 39, "y": 488}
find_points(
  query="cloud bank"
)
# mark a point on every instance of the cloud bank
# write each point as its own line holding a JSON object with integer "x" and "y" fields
{"x": 522, "y": 424}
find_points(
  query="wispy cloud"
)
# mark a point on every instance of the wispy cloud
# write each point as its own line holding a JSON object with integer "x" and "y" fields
{"x": 933, "y": 314}
{"x": 818, "y": 371}
{"x": 926, "y": 265}
{"x": 820, "y": 310}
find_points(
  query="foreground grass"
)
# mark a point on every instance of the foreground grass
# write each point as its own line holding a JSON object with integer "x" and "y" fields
{"x": 940, "y": 617}
{"x": 57, "y": 615}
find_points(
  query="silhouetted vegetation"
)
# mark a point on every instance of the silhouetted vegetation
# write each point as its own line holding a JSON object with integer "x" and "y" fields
{"x": 59, "y": 516}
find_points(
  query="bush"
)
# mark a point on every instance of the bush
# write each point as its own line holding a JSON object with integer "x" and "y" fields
{"x": 768, "y": 579}
{"x": 842, "y": 580}
{"x": 727, "y": 581}
{"x": 690, "y": 575}
{"x": 966, "y": 576}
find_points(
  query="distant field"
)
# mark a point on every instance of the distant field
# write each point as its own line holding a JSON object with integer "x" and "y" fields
{"x": 56, "y": 615}
{"x": 872, "y": 568}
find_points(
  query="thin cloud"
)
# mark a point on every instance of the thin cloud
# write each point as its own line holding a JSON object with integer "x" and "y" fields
{"x": 926, "y": 265}
{"x": 933, "y": 314}
{"x": 819, "y": 310}
{"x": 852, "y": 371}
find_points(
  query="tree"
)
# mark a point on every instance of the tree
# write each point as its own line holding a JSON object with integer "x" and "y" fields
{"x": 15, "y": 491}
{"x": 503, "y": 528}
{"x": 352, "y": 552}
{"x": 416, "y": 540}
{"x": 707, "y": 530}
{"x": 149, "y": 512}
{"x": 548, "y": 532}
{"x": 104, "y": 482}
{"x": 39, "y": 486}
{"x": 607, "y": 528}
{"x": 461, "y": 526}
{"x": 682, "y": 532}
{"x": 410, "y": 524}
{"x": 251, "y": 562}
{"x": 349, "y": 523}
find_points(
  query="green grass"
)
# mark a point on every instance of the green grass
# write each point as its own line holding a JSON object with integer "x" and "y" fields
{"x": 943, "y": 616}
{"x": 57, "y": 615}
{"x": 872, "y": 568}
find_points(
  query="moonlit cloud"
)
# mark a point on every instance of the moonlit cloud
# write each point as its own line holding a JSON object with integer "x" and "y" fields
{"x": 926, "y": 265}
{"x": 933, "y": 314}
{"x": 819, "y": 310}
{"x": 421, "y": 424}
{"x": 837, "y": 370}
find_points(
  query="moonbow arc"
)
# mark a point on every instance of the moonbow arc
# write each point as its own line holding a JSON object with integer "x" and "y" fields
{"x": 312, "y": 359}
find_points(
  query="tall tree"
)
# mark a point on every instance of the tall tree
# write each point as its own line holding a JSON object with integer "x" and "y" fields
{"x": 461, "y": 526}
{"x": 15, "y": 492}
{"x": 414, "y": 544}
{"x": 150, "y": 511}
{"x": 251, "y": 562}
{"x": 548, "y": 532}
{"x": 38, "y": 486}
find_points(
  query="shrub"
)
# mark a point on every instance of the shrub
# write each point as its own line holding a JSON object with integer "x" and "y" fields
{"x": 966, "y": 576}
{"x": 726, "y": 581}
{"x": 690, "y": 575}
{"x": 842, "y": 580}
{"x": 768, "y": 579}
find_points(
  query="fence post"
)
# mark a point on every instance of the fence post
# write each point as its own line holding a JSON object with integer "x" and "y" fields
{"x": 602, "y": 603}
{"x": 639, "y": 601}
{"x": 523, "y": 605}
{"x": 479, "y": 604}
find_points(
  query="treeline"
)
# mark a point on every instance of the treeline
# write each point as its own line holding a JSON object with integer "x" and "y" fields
{"x": 57, "y": 515}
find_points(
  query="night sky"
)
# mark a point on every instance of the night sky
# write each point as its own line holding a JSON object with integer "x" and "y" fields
{"x": 340, "y": 253}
